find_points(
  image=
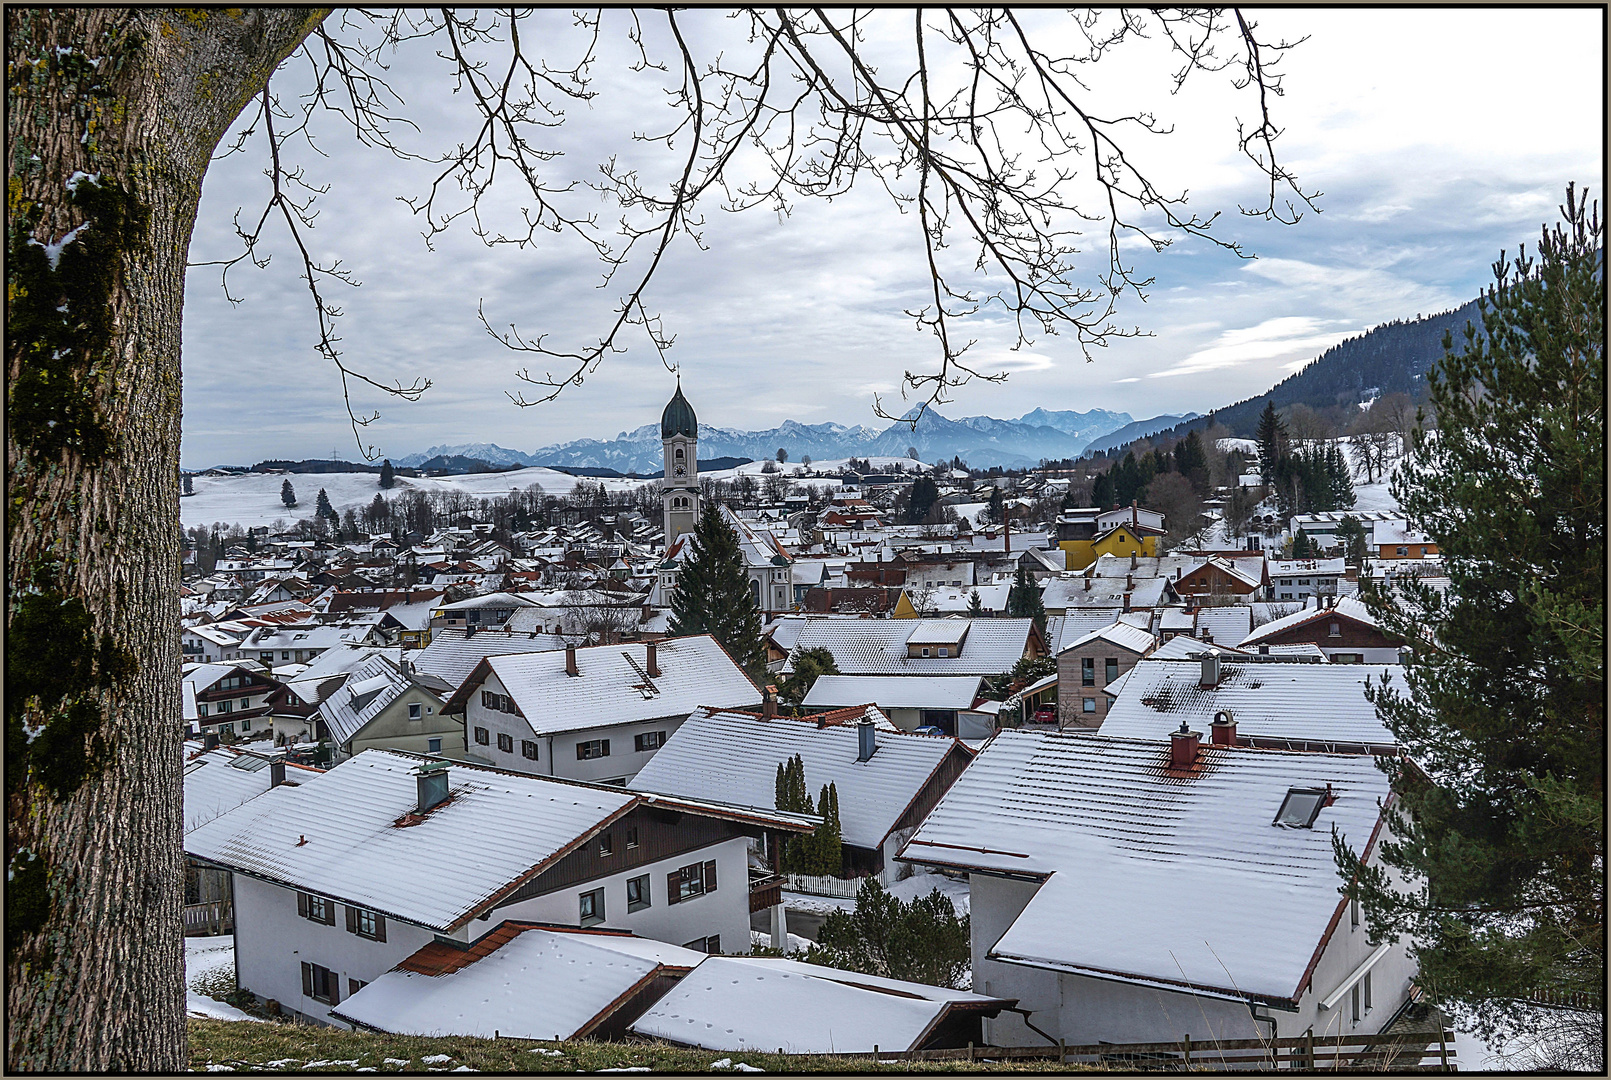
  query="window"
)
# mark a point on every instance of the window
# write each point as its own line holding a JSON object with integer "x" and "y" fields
{"x": 632, "y": 836}
{"x": 925, "y": 650}
{"x": 316, "y": 908}
{"x": 1367, "y": 991}
{"x": 1088, "y": 671}
{"x": 594, "y": 748}
{"x": 320, "y": 984}
{"x": 506, "y": 743}
{"x": 695, "y": 879}
{"x": 1403, "y": 551}
{"x": 226, "y": 729}
{"x": 528, "y": 749}
{"x": 1110, "y": 670}
{"x": 1286, "y": 581}
{"x": 201, "y": 709}
{"x": 638, "y": 893}
{"x": 592, "y": 907}
{"x": 246, "y": 725}
{"x": 1334, "y": 630}
{"x": 416, "y": 711}
{"x": 355, "y": 985}
{"x": 1353, "y": 1001}
{"x": 1353, "y": 914}
{"x": 649, "y": 740}
{"x": 225, "y": 707}
{"x": 368, "y": 924}
{"x": 606, "y": 845}
{"x": 286, "y": 656}
{"x": 1300, "y": 808}
{"x": 481, "y": 736}
{"x": 1088, "y": 705}
{"x": 433, "y": 746}
{"x": 1303, "y": 581}
{"x": 472, "y": 616}
{"x": 246, "y": 703}
{"x": 711, "y": 946}
{"x": 943, "y": 651}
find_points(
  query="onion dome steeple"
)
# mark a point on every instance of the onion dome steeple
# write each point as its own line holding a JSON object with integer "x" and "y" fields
{"x": 679, "y": 419}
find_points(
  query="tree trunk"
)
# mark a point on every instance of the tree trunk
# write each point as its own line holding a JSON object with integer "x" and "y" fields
{"x": 137, "y": 100}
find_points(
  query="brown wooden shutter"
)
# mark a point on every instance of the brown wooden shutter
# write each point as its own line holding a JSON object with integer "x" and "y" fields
{"x": 332, "y": 983}
{"x": 380, "y": 927}
{"x": 673, "y": 887}
{"x": 352, "y": 919}
{"x": 710, "y": 876}
{"x": 330, "y": 913}
{"x": 606, "y": 748}
{"x": 302, "y": 907}
{"x": 307, "y": 979}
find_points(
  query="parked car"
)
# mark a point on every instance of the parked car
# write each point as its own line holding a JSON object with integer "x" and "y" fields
{"x": 1044, "y": 716}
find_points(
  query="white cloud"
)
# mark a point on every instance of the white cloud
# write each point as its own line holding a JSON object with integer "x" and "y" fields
{"x": 1272, "y": 339}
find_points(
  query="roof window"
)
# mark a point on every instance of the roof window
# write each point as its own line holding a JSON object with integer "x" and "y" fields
{"x": 1300, "y": 808}
{"x": 248, "y": 763}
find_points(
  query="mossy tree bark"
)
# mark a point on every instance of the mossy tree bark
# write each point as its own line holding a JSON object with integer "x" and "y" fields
{"x": 112, "y": 116}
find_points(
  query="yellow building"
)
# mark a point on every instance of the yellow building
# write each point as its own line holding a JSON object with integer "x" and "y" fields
{"x": 1086, "y": 534}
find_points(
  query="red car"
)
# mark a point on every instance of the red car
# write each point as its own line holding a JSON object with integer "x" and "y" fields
{"x": 1044, "y": 716}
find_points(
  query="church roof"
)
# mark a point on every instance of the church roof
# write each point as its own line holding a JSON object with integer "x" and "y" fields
{"x": 679, "y": 419}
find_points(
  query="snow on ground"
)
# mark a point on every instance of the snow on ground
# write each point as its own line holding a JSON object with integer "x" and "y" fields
{"x": 797, "y": 944}
{"x": 209, "y": 960}
{"x": 954, "y": 889}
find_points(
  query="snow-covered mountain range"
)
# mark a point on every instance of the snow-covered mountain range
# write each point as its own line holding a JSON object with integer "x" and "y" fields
{"x": 981, "y": 441}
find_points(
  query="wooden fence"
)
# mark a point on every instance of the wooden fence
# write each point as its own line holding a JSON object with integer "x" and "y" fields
{"x": 1419, "y": 1052}
{"x": 812, "y": 884}
{"x": 211, "y": 918}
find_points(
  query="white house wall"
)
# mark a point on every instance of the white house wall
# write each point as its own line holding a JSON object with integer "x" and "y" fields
{"x": 725, "y": 911}
{"x": 272, "y": 941}
{"x": 993, "y": 904}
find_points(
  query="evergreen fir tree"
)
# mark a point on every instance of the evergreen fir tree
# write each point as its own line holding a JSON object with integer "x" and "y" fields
{"x": 975, "y": 606}
{"x": 1102, "y": 496}
{"x": 1271, "y": 437}
{"x": 997, "y": 505}
{"x": 322, "y": 508}
{"x": 797, "y": 854}
{"x": 189, "y": 485}
{"x": 288, "y": 494}
{"x": 713, "y": 593}
{"x": 925, "y": 492}
{"x": 388, "y": 477}
{"x": 1342, "y": 479}
{"x": 808, "y": 664}
{"x": 1502, "y": 707}
{"x": 1191, "y": 461}
{"x": 1024, "y": 601}
{"x": 1351, "y": 535}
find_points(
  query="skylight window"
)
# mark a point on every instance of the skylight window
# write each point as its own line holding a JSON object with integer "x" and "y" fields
{"x": 1300, "y": 808}
{"x": 248, "y": 763}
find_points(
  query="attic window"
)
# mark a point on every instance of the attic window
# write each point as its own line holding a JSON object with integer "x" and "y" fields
{"x": 248, "y": 763}
{"x": 1300, "y": 808}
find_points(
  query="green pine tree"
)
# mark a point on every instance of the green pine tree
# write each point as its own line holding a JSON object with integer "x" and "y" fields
{"x": 288, "y": 494}
{"x": 808, "y": 664}
{"x": 1342, "y": 479}
{"x": 388, "y": 475}
{"x": 925, "y": 493}
{"x": 923, "y": 940}
{"x": 797, "y": 854}
{"x": 1351, "y": 535}
{"x": 975, "y": 605}
{"x": 322, "y": 507}
{"x": 713, "y": 594}
{"x": 1024, "y": 601}
{"x": 1502, "y": 706}
{"x": 1102, "y": 495}
{"x": 1271, "y": 436}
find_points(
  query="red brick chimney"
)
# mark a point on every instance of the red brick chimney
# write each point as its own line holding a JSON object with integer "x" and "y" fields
{"x": 1183, "y": 748}
{"x": 652, "y": 660}
{"x": 570, "y": 660}
{"x": 769, "y": 703}
{"x": 1222, "y": 732}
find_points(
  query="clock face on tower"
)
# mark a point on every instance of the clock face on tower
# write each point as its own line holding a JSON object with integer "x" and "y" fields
{"x": 679, "y": 471}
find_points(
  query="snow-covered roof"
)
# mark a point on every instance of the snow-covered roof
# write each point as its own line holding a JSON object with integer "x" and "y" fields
{"x": 1301, "y": 702}
{"x": 222, "y": 779}
{"x": 453, "y": 654}
{"x": 519, "y": 981}
{"x": 613, "y": 685}
{"x": 758, "y": 546}
{"x": 370, "y": 688}
{"x": 496, "y": 600}
{"x": 1070, "y": 593}
{"x": 1307, "y": 567}
{"x": 734, "y": 756}
{"x": 894, "y": 691}
{"x": 1227, "y": 623}
{"x": 763, "y": 1003}
{"x": 1348, "y": 607}
{"x": 1184, "y": 647}
{"x": 343, "y": 835}
{"x": 1063, "y": 630}
{"x": 1163, "y": 877}
{"x": 1122, "y": 634}
{"x": 878, "y": 646}
{"x": 1397, "y": 532}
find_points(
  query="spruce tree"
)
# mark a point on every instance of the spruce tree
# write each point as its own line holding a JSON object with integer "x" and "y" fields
{"x": 713, "y": 594}
{"x": 808, "y": 665}
{"x": 388, "y": 476}
{"x": 288, "y": 494}
{"x": 1502, "y": 707}
{"x": 1351, "y": 535}
{"x": 1102, "y": 495}
{"x": 827, "y": 847}
{"x": 997, "y": 506}
{"x": 1271, "y": 436}
{"x": 1341, "y": 477}
{"x": 1024, "y": 601}
{"x": 975, "y": 606}
{"x": 322, "y": 507}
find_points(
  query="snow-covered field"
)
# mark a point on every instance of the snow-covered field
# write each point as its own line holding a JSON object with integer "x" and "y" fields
{"x": 953, "y": 889}
{"x": 210, "y": 961}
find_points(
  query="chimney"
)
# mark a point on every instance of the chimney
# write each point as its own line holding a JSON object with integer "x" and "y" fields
{"x": 1134, "y": 561}
{"x": 1211, "y": 671}
{"x": 652, "y": 660}
{"x": 431, "y": 780}
{"x": 1222, "y": 732}
{"x": 1130, "y": 579}
{"x": 1126, "y": 602}
{"x": 276, "y": 773}
{"x": 769, "y": 702}
{"x": 209, "y": 741}
{"x": 1183, "y": 748}
{"x": 570, "y": 661}
{"x": 1087, "y": 582}
{"x": 866, "y": 739}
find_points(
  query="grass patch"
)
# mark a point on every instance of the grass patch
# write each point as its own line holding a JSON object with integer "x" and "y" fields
{"x": 217, "y": 1045}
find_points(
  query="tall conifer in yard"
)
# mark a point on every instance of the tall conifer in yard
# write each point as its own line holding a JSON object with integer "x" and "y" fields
{"x": 1271, "y": 436}
{"x": 288, "y": 494}
{"x": 1024, "y": 601}
{"x": 713, "y": 594}
{"x": 1503, "y": 702}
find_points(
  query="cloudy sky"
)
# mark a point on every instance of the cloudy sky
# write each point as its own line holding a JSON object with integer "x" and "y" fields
{"x": 1437, "y": 137}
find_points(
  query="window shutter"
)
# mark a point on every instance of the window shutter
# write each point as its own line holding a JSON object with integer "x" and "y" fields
{"x": 332, "y": 984}
{"x": 581, "y": 751}
{"x": 352, "y": 919}
{"x": 302, "y": 907}
{"x": 673, "y": 887}
{"x": 606, "y": 752}
{"x": 330, "y": 913}
{"x": 710, "y": 876}
{"x": 380, "y": 927}
{"x": 307, "y": 979}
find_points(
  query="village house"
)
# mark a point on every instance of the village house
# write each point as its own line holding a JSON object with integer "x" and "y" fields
{"x": 1136, "y": 891}
{"x": 1397, "y": 540}
{"x": 481, "y": 612}
{"x": 386, "y": 704}
{"x": 1094, "y": 661}
{"x": 886, "y": 782}
{"x": 945, "y": 703}
{"x": 339, "y": 879}
{"x": 1341, "y": 627}
{"x": 227, "y": 699}
{"x": 598, "y": 713}
{"x": 1299, "y": 579}
{"x": 453, "y": 654}
{"x": 914, "y": 646}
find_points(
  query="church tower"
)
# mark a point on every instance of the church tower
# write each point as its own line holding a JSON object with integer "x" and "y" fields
{"x": 679, "y": 488}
